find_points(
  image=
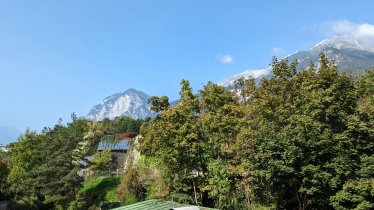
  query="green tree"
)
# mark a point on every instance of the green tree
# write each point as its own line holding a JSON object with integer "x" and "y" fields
{"x": 159, "y": 103}
{"x": 25, "y": 155}
{"x": 4, "y": 171}
{"x": 175, "y": 139}
{"x": 303, "y": 137}
{"x": 126, "y": 125}
{"x": 220, "y": 123}
{"x": 356, "y": 194}
{"x": 131, "y": 189}
{"x": 45, "y": 165}
{"x": 58, "y": 174}
{"x": 101, "y": 162}
{"x": 190, "y": 137}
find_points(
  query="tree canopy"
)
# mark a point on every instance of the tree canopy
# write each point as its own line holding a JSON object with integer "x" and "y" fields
{"x": 295, "y": 140}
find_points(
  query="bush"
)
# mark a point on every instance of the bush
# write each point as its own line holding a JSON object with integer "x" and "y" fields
{"x": 4, "y": 171}
{"x": 101, "y": 163}
{"x": 95, "y": 191}
{"x": 106, "y": 205}
{"x": 28, "y": 203}
{"x": 130, "y": 190}
{"x": 356, "y": 194}
{"x": 144, "y": 181}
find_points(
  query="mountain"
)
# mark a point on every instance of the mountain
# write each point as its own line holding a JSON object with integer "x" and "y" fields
{"x": 132, "y": 103}
{"x": 351, "y": 55}
{"x": 257, "y": 74}
{"x": 8, "y": 134}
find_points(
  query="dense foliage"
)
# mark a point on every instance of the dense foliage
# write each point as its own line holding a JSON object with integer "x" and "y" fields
{"x": 143, "y": 181}
{"x": 40, "y": 171}
{"x": 94, "y": 192}
{"x": 4, "y": 171}
{"x": 298, "y": 140}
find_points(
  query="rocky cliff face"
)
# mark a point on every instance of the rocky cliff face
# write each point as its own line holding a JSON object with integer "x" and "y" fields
{"x": 132, "y": 103}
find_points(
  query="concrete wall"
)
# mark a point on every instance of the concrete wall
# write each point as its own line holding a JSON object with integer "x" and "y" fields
{"x": 120, "y": 158}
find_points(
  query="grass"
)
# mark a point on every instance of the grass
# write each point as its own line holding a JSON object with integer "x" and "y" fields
{"x": 102, "y": 187}
{"x": 97, "y": 190}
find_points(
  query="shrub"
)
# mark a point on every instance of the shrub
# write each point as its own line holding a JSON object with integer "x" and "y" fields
{"x": 145, "y": 181}
{"x": 356, "y": 194}
{"x": 130, "y": 190}
{"x": 106, "y": 205}
{"x": 95, "y": 191}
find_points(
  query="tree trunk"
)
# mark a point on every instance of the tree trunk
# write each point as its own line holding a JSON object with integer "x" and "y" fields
{"x": 302, "y": 200}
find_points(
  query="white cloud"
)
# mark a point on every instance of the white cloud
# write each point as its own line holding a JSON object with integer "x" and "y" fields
{"x": 363, "y": 31}
{"x": 279, "y": 52}
{"x": 225, "y": 58}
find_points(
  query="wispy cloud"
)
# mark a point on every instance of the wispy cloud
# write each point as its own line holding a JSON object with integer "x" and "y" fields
{"x": 361, "y": 31}
{"x": 279, "y": 52}
{"x": 226, "y": 59}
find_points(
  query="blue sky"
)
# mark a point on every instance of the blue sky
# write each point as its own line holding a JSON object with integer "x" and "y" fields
{"x": 59, "y": 57}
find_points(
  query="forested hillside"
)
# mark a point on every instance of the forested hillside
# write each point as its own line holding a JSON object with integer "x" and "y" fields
{"x": 298, "y": 140}
{"x": 40, "y": 171}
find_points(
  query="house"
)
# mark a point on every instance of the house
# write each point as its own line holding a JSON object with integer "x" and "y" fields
{"x": 119, "y": 150}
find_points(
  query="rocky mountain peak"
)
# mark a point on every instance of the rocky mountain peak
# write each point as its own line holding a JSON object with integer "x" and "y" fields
{"x": 351, "y": 55}
{"x": 132, "y": 103}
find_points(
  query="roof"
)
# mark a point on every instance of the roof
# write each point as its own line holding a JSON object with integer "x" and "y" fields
{"x": 113, "y": 146}
{"x": 155, "y": 204}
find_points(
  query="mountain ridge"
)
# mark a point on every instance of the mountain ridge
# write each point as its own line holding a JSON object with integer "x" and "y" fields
{"x": 132, "y": 103}
{"x": 8, "y": 134}
{"x": 349, "y": 54}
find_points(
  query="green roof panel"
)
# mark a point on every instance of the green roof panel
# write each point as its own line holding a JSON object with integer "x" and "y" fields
{"x": 155, "y": 205}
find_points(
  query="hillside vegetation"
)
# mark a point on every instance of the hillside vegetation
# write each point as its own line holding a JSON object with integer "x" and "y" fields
{"x": 297, "y": 140}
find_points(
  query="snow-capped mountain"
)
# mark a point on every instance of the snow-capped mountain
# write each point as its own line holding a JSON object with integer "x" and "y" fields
{"x": 259, "y": 73}
{"x": 132, "y": 103}
{"x": 342, "y": 42}
{"x": 349, "y": 54}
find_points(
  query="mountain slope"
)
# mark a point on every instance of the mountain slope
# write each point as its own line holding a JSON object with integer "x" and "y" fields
{"x": 132, "y": 103}
{"x": 8, "y": 134}
{"x": 257, "y": 74}
{"x": 350, "y": 55}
